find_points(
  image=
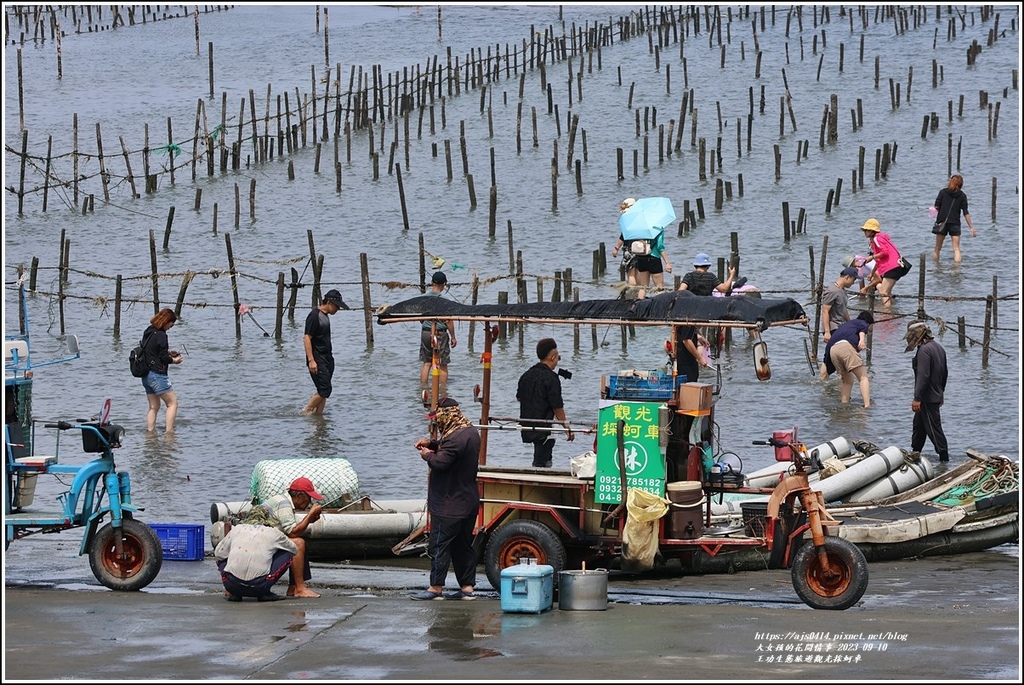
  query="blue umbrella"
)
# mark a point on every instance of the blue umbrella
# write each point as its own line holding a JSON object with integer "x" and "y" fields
{"x": 646, "y": 218}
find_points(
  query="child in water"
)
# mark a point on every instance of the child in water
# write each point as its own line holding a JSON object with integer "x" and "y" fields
{"x": 864, "y": 270}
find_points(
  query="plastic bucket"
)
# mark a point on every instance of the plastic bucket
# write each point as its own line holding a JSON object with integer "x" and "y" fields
{"x": 685, "y": 520}
{"x": 783, "y": 453}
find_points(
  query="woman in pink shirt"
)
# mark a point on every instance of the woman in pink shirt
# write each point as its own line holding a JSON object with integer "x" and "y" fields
{"x": 889, "y": 264}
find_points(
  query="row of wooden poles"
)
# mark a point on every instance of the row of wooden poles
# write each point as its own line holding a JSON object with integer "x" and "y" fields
{"x": 36, "y": 19}
{"x": 564, "y": 288}
{"x": 368, "y": 101}
{"x": 37, "y": 22}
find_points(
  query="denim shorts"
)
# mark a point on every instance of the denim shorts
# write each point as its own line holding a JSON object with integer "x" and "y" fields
{"x": 156, "y": 383}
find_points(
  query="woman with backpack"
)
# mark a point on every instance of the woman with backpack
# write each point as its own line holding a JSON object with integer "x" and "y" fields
{"x": 156, "y": 382}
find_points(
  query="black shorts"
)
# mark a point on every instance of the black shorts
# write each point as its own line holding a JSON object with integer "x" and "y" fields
{"x": 897, "y": 273}
{"x": 649, "y": 264}
{"x": 322, "y": 377}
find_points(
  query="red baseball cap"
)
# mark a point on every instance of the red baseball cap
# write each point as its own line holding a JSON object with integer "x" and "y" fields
{"x": 303, "y": 484}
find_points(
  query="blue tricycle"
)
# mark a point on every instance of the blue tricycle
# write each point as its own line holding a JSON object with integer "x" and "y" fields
{"x": 125, "y": 554}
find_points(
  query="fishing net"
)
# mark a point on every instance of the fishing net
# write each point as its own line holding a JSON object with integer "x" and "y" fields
{"x": 1002, "y": 477}
{"x": 677, "y": 306}
{"x": 333, "y": 478}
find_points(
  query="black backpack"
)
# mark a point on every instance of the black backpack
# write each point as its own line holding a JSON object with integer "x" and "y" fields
{"x": 138, "y": 362}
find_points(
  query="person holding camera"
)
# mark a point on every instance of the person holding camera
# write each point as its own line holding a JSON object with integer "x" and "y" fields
{"x": 156, "y": 382}
{"x": 540, "y": 397}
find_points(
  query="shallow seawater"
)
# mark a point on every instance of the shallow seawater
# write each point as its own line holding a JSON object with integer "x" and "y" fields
{"x": 241, "y": 395}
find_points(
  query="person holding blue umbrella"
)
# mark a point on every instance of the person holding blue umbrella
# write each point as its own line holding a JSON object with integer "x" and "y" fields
{"x": 642, "y": 231}
{"x": 651, "y": 267}
{"x": 628, "y": 258}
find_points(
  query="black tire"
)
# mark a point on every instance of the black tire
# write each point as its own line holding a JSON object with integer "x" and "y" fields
{"x": 522, "y": 538}
{"x": 840, "y": 591}
{"x": 139, "y": 563}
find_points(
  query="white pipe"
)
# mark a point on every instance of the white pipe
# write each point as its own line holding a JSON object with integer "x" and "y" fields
{"x": 731, "y": 504}
{"x": 369, "y": 524}
{"x": 352, "y": 525}
{"x": 221, "y": 511}
{"x": 838, "y": 447}
{"x": 772, "y": 474}
{"x": 898, "y": 480}
{"x": 867, "y": 470}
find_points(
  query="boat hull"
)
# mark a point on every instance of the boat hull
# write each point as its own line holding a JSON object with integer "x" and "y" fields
{"x": 944, "y": 543}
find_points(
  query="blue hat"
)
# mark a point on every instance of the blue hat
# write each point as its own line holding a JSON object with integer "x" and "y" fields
{"x": 849, "y": 271}
{"x": 702, "y": 259}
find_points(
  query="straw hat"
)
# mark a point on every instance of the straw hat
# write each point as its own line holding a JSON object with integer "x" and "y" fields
{"x": 871, "y": 225}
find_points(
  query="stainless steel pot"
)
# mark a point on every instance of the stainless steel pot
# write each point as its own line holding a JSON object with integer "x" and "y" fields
{"x": 583, "y": 590}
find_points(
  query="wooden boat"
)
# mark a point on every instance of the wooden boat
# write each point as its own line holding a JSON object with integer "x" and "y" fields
{"x": 971, "y": 507}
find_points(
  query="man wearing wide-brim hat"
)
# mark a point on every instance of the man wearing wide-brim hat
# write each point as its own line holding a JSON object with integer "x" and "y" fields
{"x": 930, "y": 373}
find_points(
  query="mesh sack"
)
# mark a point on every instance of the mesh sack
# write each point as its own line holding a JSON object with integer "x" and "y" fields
{"x": 831, "y": 467}
{"x": 334, "y": 478}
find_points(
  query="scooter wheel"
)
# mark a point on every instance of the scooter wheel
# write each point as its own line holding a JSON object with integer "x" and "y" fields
{"x": 838, "y": 586}
{"x": 139, "y": 561}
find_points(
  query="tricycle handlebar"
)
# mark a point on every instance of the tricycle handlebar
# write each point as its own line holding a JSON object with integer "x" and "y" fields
{"x": 774, "y": 442}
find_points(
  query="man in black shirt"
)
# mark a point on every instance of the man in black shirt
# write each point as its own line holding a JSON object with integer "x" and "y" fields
{"x": 930, "y": 373}
{"x": 700, "y": 281}
{"x": 453, "y": 500}
{"x": 316, "y": 341}
{"x": 540, "y": 397}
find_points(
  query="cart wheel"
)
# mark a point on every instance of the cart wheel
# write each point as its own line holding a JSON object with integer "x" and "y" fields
{"x": 139, "y": 562}
{"x": 840, "y": 589}
{"x": 518, "y": 539}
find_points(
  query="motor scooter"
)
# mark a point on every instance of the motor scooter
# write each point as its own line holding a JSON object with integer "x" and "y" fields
{"x": 125, "y": 554}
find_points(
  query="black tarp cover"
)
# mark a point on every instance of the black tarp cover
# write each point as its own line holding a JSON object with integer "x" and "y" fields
{"x": 678, "y": 306}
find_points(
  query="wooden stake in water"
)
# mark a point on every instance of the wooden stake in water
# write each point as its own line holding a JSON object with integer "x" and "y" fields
{"x": 154, "y": 273}
{"x": 117, "y": 306}
{"x": 364, "y": 271}
{"x": 279, "y": 313}
{"x": 234, "y": 285}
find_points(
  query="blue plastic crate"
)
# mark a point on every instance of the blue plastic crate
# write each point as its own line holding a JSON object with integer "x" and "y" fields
{"x": 656, "y": 385}
{"x": 180, "y": 542}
